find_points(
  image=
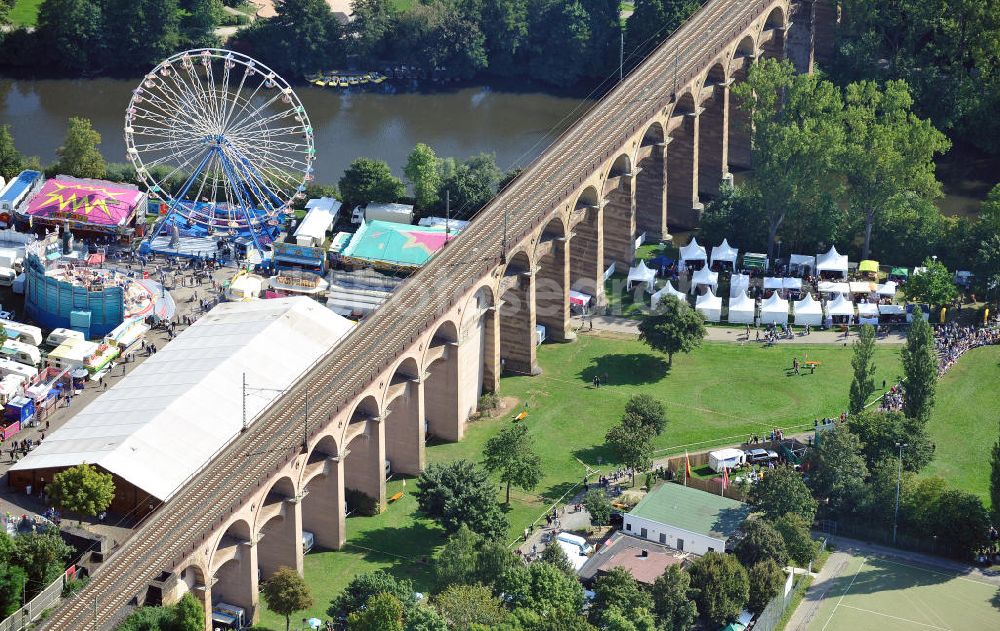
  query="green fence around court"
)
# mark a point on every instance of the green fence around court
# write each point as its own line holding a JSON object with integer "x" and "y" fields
{"x": 771, "y": 617}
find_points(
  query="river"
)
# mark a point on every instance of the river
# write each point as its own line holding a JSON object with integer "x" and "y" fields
{"x": 457, "y": 122}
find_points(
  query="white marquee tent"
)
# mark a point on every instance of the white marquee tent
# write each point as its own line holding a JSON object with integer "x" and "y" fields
{"x": 742, "y": 309}
{"x": 709, "y": 306}
{"x": 808, "y": 311}
{"x": 693, "y": 252}
{"x": 668, "y": 290}
{"x": 641, "y": 274}
{"x": 168, "y": 416}
{"x": 826, "y": 287}
{"x": 886, "y": 289}
{"x": 771, "y": 282}
{"x": 704, "y": 276}
{"x": 799, "y": 261}
{"x": 774, "y": 310}
{"x": 832, "y": 262}
{"x": 724, "y": 253}
{"x": 867, "y": 313}
{"x": 840, "y": 306}
{"x": 738, "y": 284}
{"x": 792, "y": 283}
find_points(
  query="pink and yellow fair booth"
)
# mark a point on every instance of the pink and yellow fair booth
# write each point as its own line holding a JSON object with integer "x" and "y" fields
{"x": 84, "y": 205}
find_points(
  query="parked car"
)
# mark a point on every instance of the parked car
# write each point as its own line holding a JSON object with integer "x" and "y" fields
{"x": 761, "y": 456}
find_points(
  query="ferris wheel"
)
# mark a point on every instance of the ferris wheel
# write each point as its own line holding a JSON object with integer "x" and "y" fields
{"x": 223, "y": 142}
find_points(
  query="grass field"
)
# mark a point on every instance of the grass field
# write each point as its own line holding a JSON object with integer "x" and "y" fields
{"x": 961, "y": 425}
{"x": 718, "y": 394}
{"x": 879, "y": 594}
{"x": 25, "y": 12}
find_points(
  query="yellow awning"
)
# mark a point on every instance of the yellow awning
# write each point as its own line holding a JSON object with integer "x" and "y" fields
{"x": 868, "y": 266}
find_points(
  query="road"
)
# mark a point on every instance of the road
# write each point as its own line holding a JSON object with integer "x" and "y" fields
{"x": 177, "y": 528}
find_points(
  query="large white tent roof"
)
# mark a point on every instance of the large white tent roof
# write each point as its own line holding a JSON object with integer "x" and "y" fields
{"x": 832, "y": 261}
{"x": 774, "y": 304}
{"x": 807, "y": 306}
{"x": 704, "y": 276}
{"x": 668, "y": 290}
{"x": 839, "y": 306}
{"x": 724, "y": 252}
{"x": 693, "y": 252}
{"x": 738, "y": 283}
{"x": 641, "y": 274}
{"x": 742, "y": 308}
{"x": 164, "y": 420}
{"x": 709, "y": 306}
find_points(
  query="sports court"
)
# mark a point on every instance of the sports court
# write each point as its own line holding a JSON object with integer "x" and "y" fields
{"x": 883, "y": 594}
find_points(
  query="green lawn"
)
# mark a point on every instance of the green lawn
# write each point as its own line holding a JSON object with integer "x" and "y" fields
{"x": 718, "y": 394}
{"x": 25, "y": 12}
{"x": 964, "y": 421}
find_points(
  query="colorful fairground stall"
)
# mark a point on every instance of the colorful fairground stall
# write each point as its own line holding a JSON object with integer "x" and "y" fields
{"x": 90, "y": 208}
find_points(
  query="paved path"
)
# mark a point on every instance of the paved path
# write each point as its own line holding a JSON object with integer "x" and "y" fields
{"x": 629, "y": 326}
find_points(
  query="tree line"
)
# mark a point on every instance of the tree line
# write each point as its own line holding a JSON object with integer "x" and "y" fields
{"x": 851, "y": 166}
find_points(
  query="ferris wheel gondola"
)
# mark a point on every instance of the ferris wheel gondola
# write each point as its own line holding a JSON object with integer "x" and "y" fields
{"x": 223, "y": 141}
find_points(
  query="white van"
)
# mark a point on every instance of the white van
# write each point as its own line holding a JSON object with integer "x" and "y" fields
{"x": 21, "y": 352}
{"x": 308, "y": 541}
{"x": 726, "y": 459}
{"x": 11, "y": 367}
{"x": 7, "y": 276}
{"x": 575, "y": 540}
{"x": 27, "y": 333}
{"x": 58, "y": 336}
{"x": 229, "y": 616}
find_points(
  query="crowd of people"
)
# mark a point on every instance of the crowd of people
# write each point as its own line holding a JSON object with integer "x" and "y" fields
{"x": 952, "y": 341}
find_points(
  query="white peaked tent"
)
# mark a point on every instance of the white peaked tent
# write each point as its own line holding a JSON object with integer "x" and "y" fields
{"x": 742, "y": 309}
{"x": 867, "y": 313}
{"x": 668, "y": 290}
{"x": 693, "y": 252}
{"x": 709, "y": 306}
{"x": 738, "y": 284}
{"x": 840, "y": 306}
{"x": 790, "y": 282}
{"x": 774, "y": 310}
{"x": 832, "y": 261}
{"x": 704, "y": 276}
{"x": 808, "y": 311}
{"x": 887, "y": 289}
{"x": 641, "y": 274}
{"x": 724, "y": 253}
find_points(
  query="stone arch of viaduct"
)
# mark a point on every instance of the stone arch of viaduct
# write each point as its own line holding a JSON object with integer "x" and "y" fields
{"x": 655, "y": 179}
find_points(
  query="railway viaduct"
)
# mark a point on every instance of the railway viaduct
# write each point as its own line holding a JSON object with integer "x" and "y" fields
{"x": 642, "y": 159}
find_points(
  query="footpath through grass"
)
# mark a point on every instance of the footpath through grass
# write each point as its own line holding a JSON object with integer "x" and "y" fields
{"x": 718, "y": 394}
{"x": 963, "y": 425}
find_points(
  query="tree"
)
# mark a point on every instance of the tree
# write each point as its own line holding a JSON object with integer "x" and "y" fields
{"x": 470, "y": 558}
{"x": 674, "y": 328}
{"x": 457, "y": 46}
{"x": 766, "y": 580}
{"x": 837, "y": 471}
{"x": 82, "y": 489}
{"x": 651, "y": 23}
{"x": 363, "y": 586}
{"x": 368, "y": 180}
{"x": 960, "y": 523}
{"x": 617, "y": 589}
{"x": 466, "y": 605}
{"x": 188, "y": 614}
{"x": 422, "y": 173}
{"x": 71, "y": 30}
{"x": 542, "y": 587}
{"x": 555, "y": 555}
{"x": 782, "y": 491}
{"x": 889, "y": 151}
{"x": 863, "y": 363}
{"x": 460, "y": 493}
{"x": 382, "y": 612}
{"x": 723, "y": 586}
{"x": 12, "y": 582}
{"x": 599, "y": 506}
{"x": 303, "y": 37}
{"x": 201, "y": 21}
{"x": 880, "y": 432}
{"x": 42, "y": 555}
{"x": 605, "y": 36}
{"x": 673, "y": 600}
{"x": 616, "y": 619}
{"x": 146, "y": 32}
{"x": 560, "y": 36}
{"x": 797, "y": 137}
{"x": 11, "y": 160}
{"x": 920, "y": 367}
{"x": 371, "y": 24}
{"x": 934, "y": 285}
{"x": 632, "y": 444}
{"x": 285, "y": 593}
{"x": 425, "y": 619}
{"x": 470, "y": 185}
{"x": 510, "y": 455}
{"x": 794, "y": 530}
{"x": 761, "y": 542}
{"x": 79, "y": 155}
{"x": 995, "y": 480}
{"x": 505, "y": 27}
{"x": 647, "y": 411}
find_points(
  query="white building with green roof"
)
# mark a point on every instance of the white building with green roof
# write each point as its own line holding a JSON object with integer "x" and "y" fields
{"x": 686, "y": 519}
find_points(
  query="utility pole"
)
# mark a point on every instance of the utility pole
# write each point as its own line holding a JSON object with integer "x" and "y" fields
{"x": 305, "y": 427}
{"x": 899, "y": 477}
{"x": 503, "y": 240}
{"x": 447, "y": 215}
{"x": 621, "y": 57}
{"x": 244, "y": 401}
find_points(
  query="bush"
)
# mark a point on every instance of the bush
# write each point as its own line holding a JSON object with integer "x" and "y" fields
{"x": 489, "y": 402}
{"x": 360, "y": 504}
{"x": 599, "y": 507}
{"x": 232, "y": 19}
